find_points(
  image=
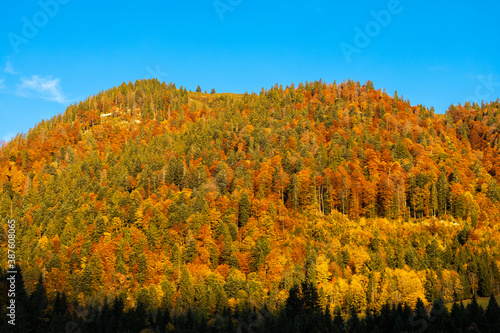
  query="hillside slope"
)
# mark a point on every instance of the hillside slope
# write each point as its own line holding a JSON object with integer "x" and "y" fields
{"x": 220, "y": 201}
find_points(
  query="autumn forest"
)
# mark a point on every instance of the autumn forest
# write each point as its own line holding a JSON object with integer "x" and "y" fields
{"x": 319, "y": 207}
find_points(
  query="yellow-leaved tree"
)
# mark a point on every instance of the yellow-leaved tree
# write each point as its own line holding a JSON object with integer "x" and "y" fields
{"x": 356, "y": 295}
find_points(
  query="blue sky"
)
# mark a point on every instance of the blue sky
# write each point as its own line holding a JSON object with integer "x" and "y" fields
{"x": 56, "y": 52}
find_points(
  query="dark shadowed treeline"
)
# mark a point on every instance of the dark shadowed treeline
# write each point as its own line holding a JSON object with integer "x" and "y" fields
{"x": 301, "y": 313}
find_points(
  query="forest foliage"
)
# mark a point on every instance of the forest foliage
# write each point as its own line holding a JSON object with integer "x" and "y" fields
{"x": 224, "y": 202}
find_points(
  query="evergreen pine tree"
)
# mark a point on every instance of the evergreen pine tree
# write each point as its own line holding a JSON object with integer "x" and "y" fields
{"x": 439, "y": 316}
{"x": 493, "y": 190}
{"x": 143, "y": 268}
{"x": 293, "y": 192}
{"x": 420, "y": 319}
{"x": 186, "y": 287}
{"x": 492, "y": 315}
{"x": 338, "y": 322}
{"x": 433, "y": 200}
{"x": 190, "y": 251}
{"x": 431, "y": 289}
{"x": 293, "y": 304}
{"x": 38, "y": 306}
{"x": 120, "y": 259}
{"x": 200, "y": 294}
{"x": 260, "y": 251}
{"x": 443, "y": 193}
{"x": 354, "y": 323}
{"x": 245, "y": 210}
{"x": 475, "y": 313}
{"x": 457, "y": 316}
{"x": 485, "y": 275}
{"x": 432, "y": 254}
{"x": 311, "y": 297}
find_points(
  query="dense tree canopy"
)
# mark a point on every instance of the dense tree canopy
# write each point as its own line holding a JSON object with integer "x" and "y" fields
{"x": 222, "y": 202}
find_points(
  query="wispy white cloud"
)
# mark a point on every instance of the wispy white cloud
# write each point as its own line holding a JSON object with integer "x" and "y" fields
{"x": 41, "y": 87}
{"x": 9, "y": 68}
{"x": 2, "y": 85}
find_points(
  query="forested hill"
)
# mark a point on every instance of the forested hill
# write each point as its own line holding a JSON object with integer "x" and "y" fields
{"x": 226, "y": 201}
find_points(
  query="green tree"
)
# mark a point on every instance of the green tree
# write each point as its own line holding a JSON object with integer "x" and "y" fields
{"x": 294, "y": 302}
{"x": 485, "y": 275}
{"x": 433, "y": 200}
{"x": 431, "y": 287}
{"x": 293, "y": 192}
{"x": 216, "y": 295}
{"x": 200, "y": 294}
{"x": 99, "y": 227}
{"x": 120, "y": 259}
{"x": 440, "y": 317}
{"x": 492, "y": 315}
{"x": 493, "y": 190}
{"x": 260, "y": 251}
{"x": 443, "y": 193}
{"x": 39, "y": 306}
{"x": 432, "y": 255}
{"x": 401, "y": 151}
{"x": 228, "y": 255}
{"x": 245, "y": 210}
{"x": 302, "y": 298}
{"x": 143, "y": 268}
{"x": 311, "y": 297}
{"x": 411, "y": 257}
{"x": 186, "y": 287}
{"x": 92, "y": 275}
{"x": 175, "y": 172}
{"x": 475, "y": 312}
{"x": 222, "y": 176}
{"x": 190, "y": 251}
